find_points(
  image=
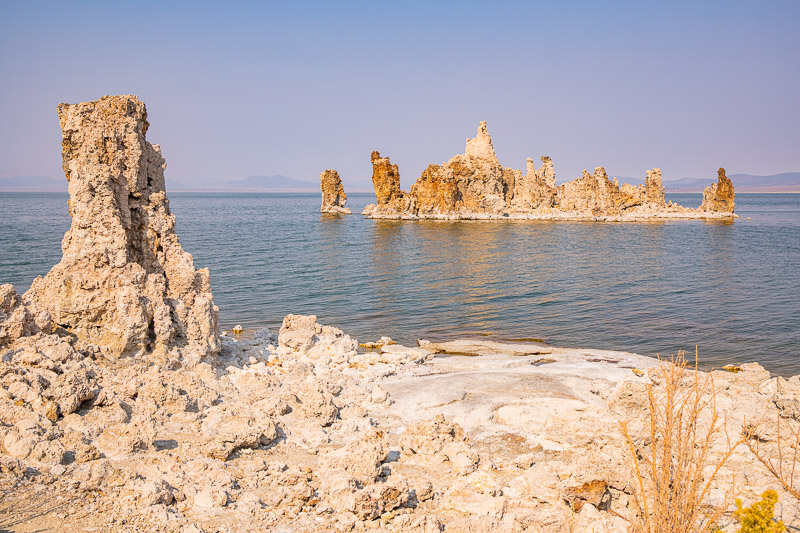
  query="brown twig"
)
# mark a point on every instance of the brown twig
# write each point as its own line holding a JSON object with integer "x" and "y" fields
{"x": 766, "y": 452}
{"x": 670, "y": 490}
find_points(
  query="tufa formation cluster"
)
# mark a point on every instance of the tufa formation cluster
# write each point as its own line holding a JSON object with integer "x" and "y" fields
{"x": 474, "y": 185}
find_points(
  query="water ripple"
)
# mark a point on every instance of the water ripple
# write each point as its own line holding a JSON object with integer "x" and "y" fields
{"x": 732, "y": 289}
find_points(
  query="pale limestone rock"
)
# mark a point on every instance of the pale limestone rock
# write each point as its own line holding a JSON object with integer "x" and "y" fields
{"x": 482, "y": 347}
{"x": 785, "y": 394}
{"x": 438, "y": 441}
{"x": 426, "y": 523}
{"x": 383, "y": 341}
{"x": 333, "y": 196}
{"x": 594, "y": 194}
{"x": 210, "y": 498}
{"x": 537, "y": 189}
{"x": 124, "y": 282}
{"x": 16, "y": 320}
{"x": 379, "y": 395}
{"x": 229, "y": 427}
{"x": 68, "y": 391}
{"x": 302, "y": 333}
{"x": 649, "y": 197}
{"x": 151, "y": 493}
{"x": 121, "y": 440}
{"x": 315, "y": 402}
{"x": 297, "y": 332}
{"x": 51, "y": 351}
{"x": 398, "y": 354}
{"x": 361, "y": 459}
{"x": 590, "y": 520}
{"x": 34, "y": 443}
{"x": 546, "y": 173}
{"x": 654, "y": 189}
{"x": 481, "y": 146}
{"x": 369, "y": 502}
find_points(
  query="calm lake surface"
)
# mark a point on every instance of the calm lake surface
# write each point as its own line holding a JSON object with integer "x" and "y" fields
{"x": 732, "y": 289}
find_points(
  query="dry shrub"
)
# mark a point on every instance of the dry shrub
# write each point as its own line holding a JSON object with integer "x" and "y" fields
{"x": 781, "y": 455}
{"x": 675, "y": 463}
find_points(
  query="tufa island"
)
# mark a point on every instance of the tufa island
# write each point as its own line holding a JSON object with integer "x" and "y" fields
{"x": 123, "y": 408}
{"x": 474, "y": 185}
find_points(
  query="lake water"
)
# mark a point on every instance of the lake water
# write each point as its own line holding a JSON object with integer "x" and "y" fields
{"x": 732, "y": 289}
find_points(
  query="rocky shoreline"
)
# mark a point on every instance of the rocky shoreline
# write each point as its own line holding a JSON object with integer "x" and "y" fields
{"x": 122, "y": 408}
{"x": 306, "y": 431}
{"x": 475, "y": 186}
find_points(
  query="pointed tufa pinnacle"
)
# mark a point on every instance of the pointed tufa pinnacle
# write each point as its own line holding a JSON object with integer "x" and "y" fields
{"x": 481, "y": 146}
{"x": 385, "y": 180}
{"x": 719, "y": 197}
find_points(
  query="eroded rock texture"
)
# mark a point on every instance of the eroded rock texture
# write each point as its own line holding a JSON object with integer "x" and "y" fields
{"x": 474, "y": 181}
{"x": 333, "y": 196}
{"x": 16, "y": 320}
{"x": 124, "y": 282}
{"x": 594, "y": 193}
{"x": 654, "y": 190}
{"x": 719, "y": 196}
{"x": 475, "y": 185}
{"x": 537, "y": 188}
{"x": 386, "y": 182}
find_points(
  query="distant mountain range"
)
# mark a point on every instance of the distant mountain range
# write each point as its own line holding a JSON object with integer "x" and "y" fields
{"x": 33, "y": 184}
{"x": 784, "y": 182}
{"x": 276, "y": 183}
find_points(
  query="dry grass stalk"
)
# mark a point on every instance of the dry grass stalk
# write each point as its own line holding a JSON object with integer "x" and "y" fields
{"x": 675, "y": 464}
{"x": 781, "y": 456}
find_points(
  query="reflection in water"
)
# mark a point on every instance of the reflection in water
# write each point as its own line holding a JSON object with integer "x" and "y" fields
{"x": 652, "y": 288}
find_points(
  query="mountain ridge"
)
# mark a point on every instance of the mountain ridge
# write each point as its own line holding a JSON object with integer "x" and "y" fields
{"x": 788, "y": 182}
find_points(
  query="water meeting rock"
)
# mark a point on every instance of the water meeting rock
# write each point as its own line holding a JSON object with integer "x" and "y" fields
{"x": 124, "y": 281}
{"x": 474, "y": 185}
{"x": 333, "y": 196}
{"x": 719, "y": 197}
{"x": 386, "y": 182}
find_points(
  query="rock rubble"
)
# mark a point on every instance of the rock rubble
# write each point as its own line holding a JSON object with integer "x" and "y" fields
{"x": 306, "y": 432}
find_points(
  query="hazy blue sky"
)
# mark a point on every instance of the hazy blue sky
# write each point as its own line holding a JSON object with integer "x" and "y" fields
{"x": 294, "y": 88}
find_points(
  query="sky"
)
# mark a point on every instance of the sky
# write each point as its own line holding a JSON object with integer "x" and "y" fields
{"x": 258, "y": 88}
